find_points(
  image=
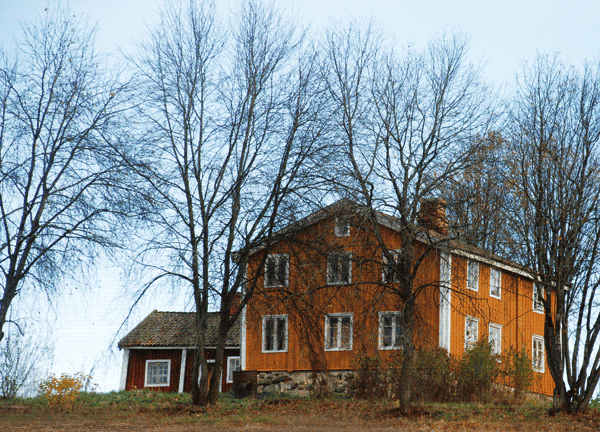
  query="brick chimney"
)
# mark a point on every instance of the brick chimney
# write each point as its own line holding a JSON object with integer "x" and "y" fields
{"x": 235, "y": 303}
{"x": 432, "y": 215}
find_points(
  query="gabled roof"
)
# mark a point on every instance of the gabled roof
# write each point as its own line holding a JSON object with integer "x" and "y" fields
{"x": 347, "y": 206}
{"x": 176, "y": 329}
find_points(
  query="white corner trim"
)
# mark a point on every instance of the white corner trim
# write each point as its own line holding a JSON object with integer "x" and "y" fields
{"x": 243, "y": 340}
{"x": 182, "y": 369}
{"x": 445, "y": 300}
{"x": 124, "y": 367}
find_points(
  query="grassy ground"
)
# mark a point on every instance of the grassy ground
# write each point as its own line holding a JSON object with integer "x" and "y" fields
{"x": 144, "y": 410}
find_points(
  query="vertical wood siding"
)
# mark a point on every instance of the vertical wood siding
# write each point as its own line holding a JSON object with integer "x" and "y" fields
{"x": 137, "y": 368}
{"x": 308, "y": 298}
{"x": 513, "y": 312}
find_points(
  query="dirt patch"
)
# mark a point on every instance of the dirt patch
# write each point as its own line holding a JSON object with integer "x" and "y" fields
{"x": 293, "y": 414}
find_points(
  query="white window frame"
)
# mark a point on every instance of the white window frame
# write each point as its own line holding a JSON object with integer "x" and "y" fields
{"x": 538, "y": 355}
{"x": 395, "y": 254}
{"x": 230, "y": 368}
{"x": 469, "y": 344}
{"x": 329, "y": 273}
{"x": 278, "y": 258}
{"x": 473, "y": 266}
{"x": 342, "y": 227}
{"x": 496, "y": 283}
{"x": 496, "y": 343}
{"x": 338, "y": 343}
{"x": 537, "y": 303}
{"x": 275, "y": 340}
{"x": 146, "y": 375}
{"x": 395, "y": 330}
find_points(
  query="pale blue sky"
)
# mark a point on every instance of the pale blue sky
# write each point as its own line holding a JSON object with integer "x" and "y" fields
{"x": 504, "y": 34}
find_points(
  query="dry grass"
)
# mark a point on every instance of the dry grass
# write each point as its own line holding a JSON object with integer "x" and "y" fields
{"x": 143, "y": 411}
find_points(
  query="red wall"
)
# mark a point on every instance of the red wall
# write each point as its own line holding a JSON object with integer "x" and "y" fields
{"x": 136, "y": 368}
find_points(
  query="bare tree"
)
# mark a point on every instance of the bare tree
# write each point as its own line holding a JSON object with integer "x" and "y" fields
{"x": 231, "y": 124}
{"x": 555, "y": 149}
{"x": 21, "y": 358}
{"x": 477, "y": 197}
{"x": 57, "y": 168}
{"x": 405, "y": 123}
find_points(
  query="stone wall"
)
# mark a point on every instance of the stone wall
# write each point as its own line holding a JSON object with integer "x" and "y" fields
{"x": 304, "y": 383}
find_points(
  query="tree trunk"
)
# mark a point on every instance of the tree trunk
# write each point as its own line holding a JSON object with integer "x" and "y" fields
{"x": 199, "y": 379}
{"x": 3, "y": 312}
{"x": 200, "y": 367}
{"x": 408, "y": 358}
{"x": 215, "y": 380}
{"x": 9, "y": 294}
{"x": 560, "y": 399}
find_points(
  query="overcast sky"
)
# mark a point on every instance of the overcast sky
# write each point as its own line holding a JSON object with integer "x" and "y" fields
{"x": 503, "y": 35}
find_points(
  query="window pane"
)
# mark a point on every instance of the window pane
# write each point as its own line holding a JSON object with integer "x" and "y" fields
{"x": 342, "y": 226}
{"x": 232, "y": 366}
{"x": 471, "y": 332}
{"x": 332, "y": 268}
{"x": 538, "y": 304}
{"x": 399, "y": 332}
{"x": 473, "y": 275}
{"x": 346, "y": 333}
{"x": 391, "y": 268}
{"x": 282, "y": 271}
{"x": 269, "y": 334}
{"x": 158, "y": 373}
{"x": 386, "y": 331}
{"x": 495, "y": 339}
{"x": 333, "y": 332}
{"x": 345, "y": 268}
{"x": 281, "y": 339}
{"x": 270, "y": 273}
{"x": 495, "y": 282}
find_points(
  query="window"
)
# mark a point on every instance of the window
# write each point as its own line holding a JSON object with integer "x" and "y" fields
{"x": 277, "y": 270}
{"x": 233, "y": 365}
{"x": 338, "y": 332}
{"x": 471, "y": 332}
{"x": 158, "y": 373}
{"x": 390, "y": 330}
{"x": 473, "y": 275}
{"x": 391, "y": 270}
{"x": 275, "y": 330}
{"x": 495, "y": 283}
{"x": 495, "y": 338}
{"x": 537, "y": 357}
{"x": 538, "y": 304}
{"x": 342, "y": 227}
{"x": 339, "y": 268}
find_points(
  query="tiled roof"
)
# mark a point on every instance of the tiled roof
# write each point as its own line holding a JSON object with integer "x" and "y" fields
{"x": 170, "y": 329}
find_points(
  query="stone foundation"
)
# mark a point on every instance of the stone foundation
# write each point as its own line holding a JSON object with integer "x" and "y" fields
{"x": 304, "y": 383}
{"x": 309, "y": 383}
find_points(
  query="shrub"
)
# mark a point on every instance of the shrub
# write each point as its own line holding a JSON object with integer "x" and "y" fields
{"x": 477, "y": 371}
{"x": 62, "y": 392}
{"x": 369, "y": 381}
{"x": 519, "y": 371}
{"x": 433, "y": 378}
